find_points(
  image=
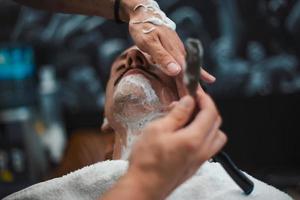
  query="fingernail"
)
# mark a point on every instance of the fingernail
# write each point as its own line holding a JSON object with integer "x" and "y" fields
{"x": 212, "y": 78}
{"x": 173, "y": 68}
{"x": 186, "y": 101}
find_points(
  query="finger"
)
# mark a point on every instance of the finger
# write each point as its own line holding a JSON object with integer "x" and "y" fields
{"x": 205, "y": 101}
{"x": 217, "y": 144}
{"x": 207, "y": 77}
{"x": 173, "y": 45}
{"x": 209, "y": 140}
{"x": 214, "y": 129}
{"x": 208, "y": 149}
{"x": 179, "y": 116}
{"x": 170, "y": 107}
{"x": 164, "y": 60}
{"x": 205, "y": 120}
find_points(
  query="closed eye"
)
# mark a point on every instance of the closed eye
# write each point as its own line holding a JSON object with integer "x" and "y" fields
{"x": 119, "y": 68}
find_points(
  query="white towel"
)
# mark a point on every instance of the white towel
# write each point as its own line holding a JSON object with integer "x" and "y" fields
{"x": 210, "y": 182}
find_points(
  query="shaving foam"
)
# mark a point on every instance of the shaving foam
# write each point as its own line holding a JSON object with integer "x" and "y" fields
{"x": 160, "y": 18}
{"x": 136, "y": 104}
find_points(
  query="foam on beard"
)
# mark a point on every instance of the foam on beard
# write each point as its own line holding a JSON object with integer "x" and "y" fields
{"x": 135, "y": 104}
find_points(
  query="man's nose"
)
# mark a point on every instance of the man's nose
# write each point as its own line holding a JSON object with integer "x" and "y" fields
{"x": 135, "y": 58}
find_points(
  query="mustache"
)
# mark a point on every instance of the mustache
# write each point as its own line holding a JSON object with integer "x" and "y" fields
{"x": 151, "y": 70}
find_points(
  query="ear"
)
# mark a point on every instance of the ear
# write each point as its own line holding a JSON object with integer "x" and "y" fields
{"x": 105, "y": 127}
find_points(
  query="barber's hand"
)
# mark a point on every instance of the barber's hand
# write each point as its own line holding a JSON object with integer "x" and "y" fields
{"x": 167, "y": 153}
{"x": 163, "y": 44}
{"x": 165, "y": 48}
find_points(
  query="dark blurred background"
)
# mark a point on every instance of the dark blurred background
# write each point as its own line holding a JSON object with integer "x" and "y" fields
{"x": 54, "y": 68}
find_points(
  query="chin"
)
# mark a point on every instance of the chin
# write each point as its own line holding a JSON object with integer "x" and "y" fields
{"x": 135, "y": 102}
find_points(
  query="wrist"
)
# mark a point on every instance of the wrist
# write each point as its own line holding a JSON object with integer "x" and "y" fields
{"x": 146, "y": 185}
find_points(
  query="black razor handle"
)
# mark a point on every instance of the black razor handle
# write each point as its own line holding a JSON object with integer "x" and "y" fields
{"x": 192, "y": 79}
{"x": 235, "y": 173}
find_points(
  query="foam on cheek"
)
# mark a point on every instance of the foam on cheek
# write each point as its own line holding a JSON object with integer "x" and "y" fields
{"x": 139, "y": 81}
{"x": 136, "y": 82}
{"x": 159, "y": 20}
{"x": 137, "y": 95}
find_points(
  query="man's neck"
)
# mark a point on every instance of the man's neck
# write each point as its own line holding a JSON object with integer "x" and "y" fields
{"x": 125, "y": 140}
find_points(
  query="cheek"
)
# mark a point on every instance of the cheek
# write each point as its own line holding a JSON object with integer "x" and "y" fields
{"x": 110, "y": 115}
{"x": 168, "y": 96}
{"x": 165, "y": 93}
{"x": 108, "y": 100}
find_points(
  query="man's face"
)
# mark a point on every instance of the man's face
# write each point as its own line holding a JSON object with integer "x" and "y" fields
{"x": 136, "y": 87}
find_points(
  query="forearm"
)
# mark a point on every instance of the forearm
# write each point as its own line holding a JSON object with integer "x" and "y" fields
{"x": 103, "y": 8}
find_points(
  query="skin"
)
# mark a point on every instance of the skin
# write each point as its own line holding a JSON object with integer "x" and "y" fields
{"x": 164, "y": 156}
{"x": 163, "y": 44}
